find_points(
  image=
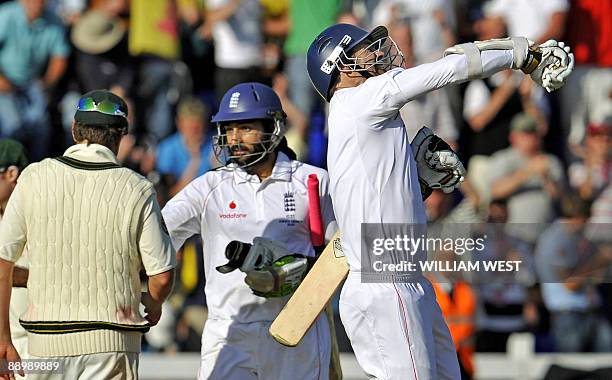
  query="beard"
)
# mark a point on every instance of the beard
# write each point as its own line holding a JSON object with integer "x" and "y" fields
{"x": 249, "y": 154}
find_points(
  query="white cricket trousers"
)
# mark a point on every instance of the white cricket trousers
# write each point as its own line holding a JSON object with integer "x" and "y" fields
{"x": 102, "y": 366}
{"x": 246, "y": 351}
{"x": 397, "y": 330}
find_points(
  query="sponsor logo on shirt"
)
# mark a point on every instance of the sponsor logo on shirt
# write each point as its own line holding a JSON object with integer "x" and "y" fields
{"x": 232, "y": 215}
{"x": 235, "y": 215}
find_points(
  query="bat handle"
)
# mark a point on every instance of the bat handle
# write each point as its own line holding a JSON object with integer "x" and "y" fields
{"x": 314, "y": 212}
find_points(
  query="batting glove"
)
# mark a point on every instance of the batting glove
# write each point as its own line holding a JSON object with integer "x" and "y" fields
{"x": 549, "y": 64}
{"x": 438, "y": 165}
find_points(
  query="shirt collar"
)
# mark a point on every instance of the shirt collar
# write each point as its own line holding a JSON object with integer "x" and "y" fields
{"x": 91, "y": 153}
{"x": 281, "y": 172}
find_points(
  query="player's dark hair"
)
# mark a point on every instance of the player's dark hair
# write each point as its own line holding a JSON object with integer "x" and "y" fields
{"x": 107, "y": 135}
{"x": 284, "y": 147}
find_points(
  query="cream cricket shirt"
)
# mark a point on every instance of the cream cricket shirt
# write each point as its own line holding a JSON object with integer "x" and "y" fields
{"x": 90, "y": 226}
{"x": 373, "y": 176}
{"x": 225, "y": 205}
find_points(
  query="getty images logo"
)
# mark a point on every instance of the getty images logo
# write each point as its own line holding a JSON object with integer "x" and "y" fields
{"x": 233, "y": 103}
{"x": 232, "y": 215}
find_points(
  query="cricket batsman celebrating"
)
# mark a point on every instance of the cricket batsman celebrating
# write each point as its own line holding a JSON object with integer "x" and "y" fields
{"x": 253, "y": 211}
{"x": 396, "y": 327}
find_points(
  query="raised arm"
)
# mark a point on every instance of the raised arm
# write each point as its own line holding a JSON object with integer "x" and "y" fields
{"x": 548, "y": 64}
{"x": 452, "y": 69}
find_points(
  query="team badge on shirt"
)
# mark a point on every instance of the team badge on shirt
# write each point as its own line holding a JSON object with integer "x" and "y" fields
{"x": 289, "y": 202}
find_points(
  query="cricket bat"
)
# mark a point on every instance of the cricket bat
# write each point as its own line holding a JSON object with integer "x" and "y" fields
{"x": 317, "y": 237}
{"x": 311, "y": 297}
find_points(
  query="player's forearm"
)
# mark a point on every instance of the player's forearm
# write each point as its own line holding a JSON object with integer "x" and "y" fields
{"x": 295, "y": 116}
{"x": 452, "y": 69}
{"x": 5, "y": 84}
{"x": 551, "y": 187}
{"x": 6, "y": 280}
{"x": 190, "y": 173}
{"x": 160, "y": 285}
{"x": 506, "y": 186}
{"x": 498, "y": 100}
{"x": 20, "y": 277}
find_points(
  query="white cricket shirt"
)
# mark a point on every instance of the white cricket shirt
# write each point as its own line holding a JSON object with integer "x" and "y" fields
{"x": 373, "y": 176}
{"x": 225, "y": 205}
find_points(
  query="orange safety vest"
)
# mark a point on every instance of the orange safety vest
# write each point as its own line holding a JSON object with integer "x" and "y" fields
{"x": 459, "y": 312}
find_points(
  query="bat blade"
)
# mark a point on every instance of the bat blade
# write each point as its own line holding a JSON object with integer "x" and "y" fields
{"x": 310, "y": 298}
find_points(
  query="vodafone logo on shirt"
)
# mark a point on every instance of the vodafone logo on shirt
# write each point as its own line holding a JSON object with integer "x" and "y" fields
{"x": 232, "y": 206}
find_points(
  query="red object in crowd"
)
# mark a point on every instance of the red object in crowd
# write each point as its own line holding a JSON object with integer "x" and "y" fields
{"x": 589, "y": 31}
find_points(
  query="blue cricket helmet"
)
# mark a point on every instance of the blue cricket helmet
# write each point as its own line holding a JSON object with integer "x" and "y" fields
{"x": 249, "y": 101}
{"x": 334, "y": 45}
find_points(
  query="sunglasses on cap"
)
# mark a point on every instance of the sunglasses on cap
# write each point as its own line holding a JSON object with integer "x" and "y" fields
{"x": 106, "y": 107}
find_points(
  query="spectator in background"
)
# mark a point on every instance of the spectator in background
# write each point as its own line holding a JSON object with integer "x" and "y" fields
{"x": 502, "y": 299}
{"x": 587, "y": 100}
{"x": 186, "y": 154}
{"x": 298, "y": 121}
{"x": 101, "y": 56}
{"x": 236, "y": 29}
{"x": 591, "y": 175}
{"x": 457, "y": 300}
{"x": 488, "y": 107}
{"x": 432, "y": 22}
{"x": 154, "y": 39}
{"x": 432, "y": 109}
{"x": 528, "y": 177}
{"x": 566, "y": 265}
{"x": 539, "y": 20}
{"x": 30, "y": 40}
{"x": 307, "y": 19}
{"x": 422, "y": 29}
{"x": 68, "y": 10}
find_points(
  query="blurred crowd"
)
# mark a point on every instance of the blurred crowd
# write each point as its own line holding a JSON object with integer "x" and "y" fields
{"x": 539, "y": 163}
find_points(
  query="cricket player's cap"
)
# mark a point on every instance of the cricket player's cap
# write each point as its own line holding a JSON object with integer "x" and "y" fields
{"x": 101, "y": 108}
{"x": 12, "y": 153}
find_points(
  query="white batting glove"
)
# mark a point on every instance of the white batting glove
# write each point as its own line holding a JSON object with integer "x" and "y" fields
{"x": 447, "y": 161}
{"x": 556, "y": 64}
